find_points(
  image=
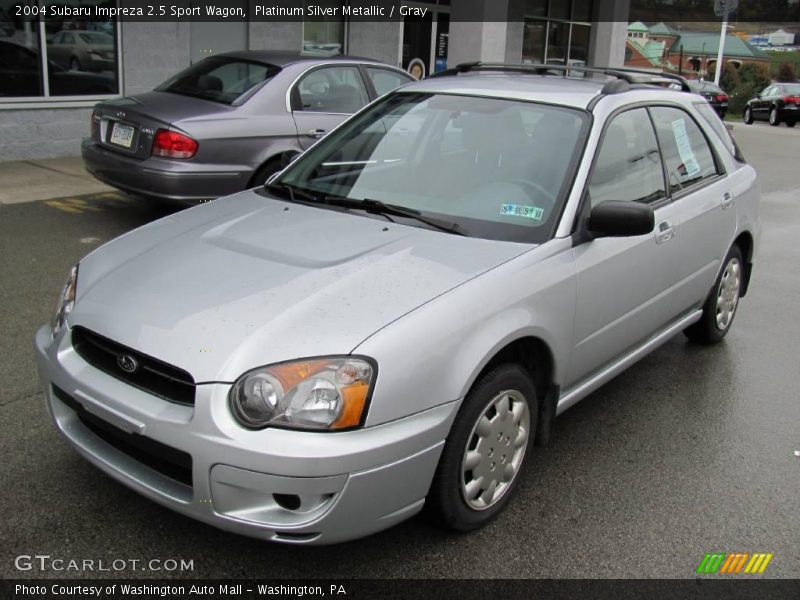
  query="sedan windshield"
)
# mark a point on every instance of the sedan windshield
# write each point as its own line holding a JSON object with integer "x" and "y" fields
{"x": 219, "y": 79}
{"x": 483, "y": 167}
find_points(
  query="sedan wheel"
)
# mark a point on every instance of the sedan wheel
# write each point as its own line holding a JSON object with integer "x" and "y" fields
{"x": 748, "y": 116}
{"x": 728, "y": 293}
{"x": 773, "y": 117}
{"x": 485, "y": 450}
{"x": 74, "y": 64}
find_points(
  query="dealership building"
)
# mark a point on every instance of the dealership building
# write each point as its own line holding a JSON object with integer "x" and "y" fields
{"x": 53, "y": 71}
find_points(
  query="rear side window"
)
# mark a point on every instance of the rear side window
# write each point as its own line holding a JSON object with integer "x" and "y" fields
{"x": 628, "y": 165}
{"x": 687, "y": 156}
{"x": 712, "y": 118}
{"x": 385, "y": 80}
{"x": 219, "y": 79}
{"x": 332, "y": 90}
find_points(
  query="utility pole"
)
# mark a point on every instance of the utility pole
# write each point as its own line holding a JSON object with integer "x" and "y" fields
{"x": 723, "y": 32}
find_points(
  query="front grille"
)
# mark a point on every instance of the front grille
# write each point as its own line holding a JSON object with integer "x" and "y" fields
{"x": 150, "y": 374}
{"x": 170, "y": 462}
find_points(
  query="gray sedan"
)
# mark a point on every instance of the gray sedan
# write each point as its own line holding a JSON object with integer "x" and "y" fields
{"x": 397, "y": 318}
{"x": 228, "y": 122}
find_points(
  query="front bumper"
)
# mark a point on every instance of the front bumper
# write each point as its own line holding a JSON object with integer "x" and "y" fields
{"x": 184, "y": 181}
{"x": 275, "y": 484}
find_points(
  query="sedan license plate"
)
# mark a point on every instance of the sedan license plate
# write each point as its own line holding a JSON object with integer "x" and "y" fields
{"x": 122, "y": 135}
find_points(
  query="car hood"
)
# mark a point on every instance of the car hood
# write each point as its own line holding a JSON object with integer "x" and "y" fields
{"x": 247, "y": 281}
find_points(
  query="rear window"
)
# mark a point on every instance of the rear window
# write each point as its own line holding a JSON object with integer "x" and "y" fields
{"x": 219, "y": 79}
{"x": 791, "y": 88}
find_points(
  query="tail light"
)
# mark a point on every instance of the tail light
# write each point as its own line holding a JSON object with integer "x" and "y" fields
{"x": 173, "y": 144}
{"x": 794, "y": 99}
{"x": 721, "y": 97}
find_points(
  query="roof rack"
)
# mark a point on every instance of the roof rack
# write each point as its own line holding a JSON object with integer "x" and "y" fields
{"x": 627, "y": 75}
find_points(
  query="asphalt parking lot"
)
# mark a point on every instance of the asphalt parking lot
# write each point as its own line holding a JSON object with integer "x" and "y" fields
{"x": 690, "y": 451}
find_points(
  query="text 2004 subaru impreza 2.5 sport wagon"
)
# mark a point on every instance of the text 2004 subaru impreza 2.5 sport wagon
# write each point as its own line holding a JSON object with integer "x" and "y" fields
{"x": 398, "y": 316}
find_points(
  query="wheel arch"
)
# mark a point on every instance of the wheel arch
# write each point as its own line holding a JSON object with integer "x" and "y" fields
{"x": 281, "y": 158}
{"x": 535, "y": 356}
{"x": 745, "y": 243}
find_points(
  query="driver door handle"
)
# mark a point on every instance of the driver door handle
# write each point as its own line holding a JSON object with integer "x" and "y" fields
{"x": 316, "y": 133}
{"x": 665, "y": 231}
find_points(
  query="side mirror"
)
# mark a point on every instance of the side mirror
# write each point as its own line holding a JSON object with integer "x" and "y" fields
{"x": 620, "y": 219}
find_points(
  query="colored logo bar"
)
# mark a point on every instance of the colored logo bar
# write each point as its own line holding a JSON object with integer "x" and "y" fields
{"x": 734, "y": 563}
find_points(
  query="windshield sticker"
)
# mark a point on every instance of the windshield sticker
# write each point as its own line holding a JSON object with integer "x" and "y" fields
{"x": 522, "y": 210}
{"x": 685, "y": 148}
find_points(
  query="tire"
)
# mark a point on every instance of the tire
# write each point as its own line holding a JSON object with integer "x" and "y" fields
{"x": 457, "y": 498}
{"x": 721, "y": 304}
{"x": 74, "y": 64}
{"x": 265, "y": 172}
{"x": 774, "y": 119}
{"x": 791, "y": 123}
{"x": 748, "y": 116}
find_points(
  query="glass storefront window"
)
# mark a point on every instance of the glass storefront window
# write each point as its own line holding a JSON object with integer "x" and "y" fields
{"x": 71, "y": 55}
{"x": 557, "y": 31}
{"x": 324, "y": 36}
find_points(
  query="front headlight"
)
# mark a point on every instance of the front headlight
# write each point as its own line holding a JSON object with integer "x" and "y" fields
{"x": 319, "y": 393}
{"x": 66, "y": 301}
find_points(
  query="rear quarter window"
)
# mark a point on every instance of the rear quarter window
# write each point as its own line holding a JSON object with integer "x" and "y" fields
{"x": 710, "y": 116}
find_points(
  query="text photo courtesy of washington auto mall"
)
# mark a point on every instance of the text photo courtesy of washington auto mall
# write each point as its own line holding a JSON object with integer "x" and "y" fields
{"x": 399, "y": 299}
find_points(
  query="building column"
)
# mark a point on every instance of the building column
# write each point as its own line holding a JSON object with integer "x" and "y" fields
{"x": 485, "y": 31}
{"x": 609, "y": 32}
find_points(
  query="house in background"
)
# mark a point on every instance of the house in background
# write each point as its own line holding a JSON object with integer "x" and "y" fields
{"x": 780, "y": 38}
{"x": 690, "y": 53}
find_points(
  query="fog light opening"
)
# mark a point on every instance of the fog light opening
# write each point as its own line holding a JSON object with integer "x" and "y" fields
{"x": 287, "y": 501}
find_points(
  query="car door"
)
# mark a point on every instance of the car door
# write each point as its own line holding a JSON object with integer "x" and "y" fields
{"x": 761, "y": 104}
{"x": 623, "y": 282}
{"x": 324, "y": 97}
{"x": 703, "y": 200}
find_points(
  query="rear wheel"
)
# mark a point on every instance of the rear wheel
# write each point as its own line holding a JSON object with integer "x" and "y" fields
{"x": 748, "y": 116}
{"x": 265, "y": 172}
{"x": 721, "y": 304}
{"x": 74, "y": 64}
{"x": 791, "y": 123}
{"x": 774, "y": 119}
{"x": 486, "y": 449}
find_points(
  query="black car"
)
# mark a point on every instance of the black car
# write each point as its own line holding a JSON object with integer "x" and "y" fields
{"x": 20, "y": 76}
{"x": 777, "y": 103}
{"x": 715, "y": 95}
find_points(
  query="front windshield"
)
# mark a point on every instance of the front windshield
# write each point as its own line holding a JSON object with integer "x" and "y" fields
{"x": 498, "y": 169}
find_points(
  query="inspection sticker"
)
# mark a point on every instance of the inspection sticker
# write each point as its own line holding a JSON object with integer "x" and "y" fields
{"x": 522, "y": 210}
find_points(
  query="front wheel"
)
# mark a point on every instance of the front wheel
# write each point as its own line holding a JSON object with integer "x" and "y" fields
{"x": 748, "y": 116}
{"x": 486, "y": 449}
{"x": 721, "y": 304}
{"x": 774, "y": 119}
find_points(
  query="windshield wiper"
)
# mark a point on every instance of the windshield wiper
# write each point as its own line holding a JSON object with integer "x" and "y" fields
{"x": 381, "y": 208}
{"x": 294, "y": 192}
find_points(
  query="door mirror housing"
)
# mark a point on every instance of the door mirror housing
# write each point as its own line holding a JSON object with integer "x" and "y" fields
{"x": 620, "y": 219}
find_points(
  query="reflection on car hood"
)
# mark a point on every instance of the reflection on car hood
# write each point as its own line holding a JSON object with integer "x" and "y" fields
{"x": 246, "y": 281}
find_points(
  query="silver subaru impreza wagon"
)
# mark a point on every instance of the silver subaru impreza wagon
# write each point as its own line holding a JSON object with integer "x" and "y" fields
{"x": 395, "y": 319}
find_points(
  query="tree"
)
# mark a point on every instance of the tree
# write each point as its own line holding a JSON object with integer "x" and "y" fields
{"x": 729, "y": 80}
{"x": 786, "y": 72}
{"x": 754, "y": 78}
